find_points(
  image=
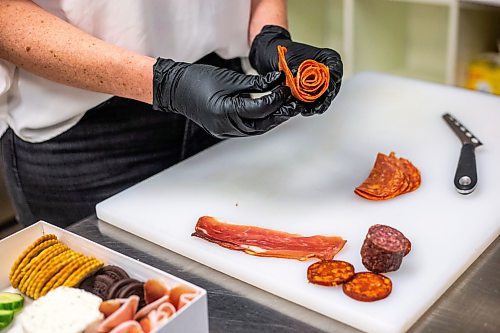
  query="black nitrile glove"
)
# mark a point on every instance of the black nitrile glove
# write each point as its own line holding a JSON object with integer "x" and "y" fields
{"x": 264, "y": 58}
{"x": 217, "y": 99}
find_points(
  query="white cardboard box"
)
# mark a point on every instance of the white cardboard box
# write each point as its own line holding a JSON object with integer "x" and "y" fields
{"x": 191, "y": 318}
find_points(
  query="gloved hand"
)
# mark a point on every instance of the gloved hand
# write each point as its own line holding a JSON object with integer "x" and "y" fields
{"x": 264, "y": 58}
{"x": 217, "y": 99}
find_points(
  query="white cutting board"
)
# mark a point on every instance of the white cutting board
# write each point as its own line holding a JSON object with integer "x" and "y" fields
{"x": 300, "y": 178}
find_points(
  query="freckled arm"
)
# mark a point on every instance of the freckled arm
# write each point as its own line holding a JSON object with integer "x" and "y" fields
{"x": 43, "y": 44}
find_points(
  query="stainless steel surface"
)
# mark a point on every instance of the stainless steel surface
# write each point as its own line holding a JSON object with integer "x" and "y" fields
{"x": 472, "y": 304}
{"x": 461, "y": 131}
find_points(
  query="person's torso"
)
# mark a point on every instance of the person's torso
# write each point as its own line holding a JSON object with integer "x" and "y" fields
{"x": 38, "y": 109}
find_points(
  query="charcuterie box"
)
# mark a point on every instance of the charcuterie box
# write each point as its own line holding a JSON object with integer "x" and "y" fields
{"x": 191, "y": 318}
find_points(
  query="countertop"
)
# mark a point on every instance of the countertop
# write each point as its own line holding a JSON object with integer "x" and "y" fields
{"x": 471, "y": 304}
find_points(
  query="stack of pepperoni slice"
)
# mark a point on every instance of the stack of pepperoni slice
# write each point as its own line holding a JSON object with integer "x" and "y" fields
{"x": 390, "y": 176}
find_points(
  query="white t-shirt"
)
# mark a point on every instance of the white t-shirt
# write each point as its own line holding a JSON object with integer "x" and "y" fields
{"x": 183, "y": 30}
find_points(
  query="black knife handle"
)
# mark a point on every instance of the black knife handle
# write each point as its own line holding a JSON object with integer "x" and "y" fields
{"x": 466, "y": 175}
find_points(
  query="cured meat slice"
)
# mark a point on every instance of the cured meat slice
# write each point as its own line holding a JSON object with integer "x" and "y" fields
{"x": 368, "y": 287}
{"x": 130, "y": 326}
{"x": 150, "y": 307}
{"x": 155, "y": 289}
{"x": 405, "y": 187}
{"x": 412, "y": 172}
{"x": 123, "y": 314}
{"x": 311, "y": 81}
{"x": 266, "y": 242}
{"x": 177, "y": 293}
{"x": 384, "y": 181}
{"x": 384, "y": 248}
{"x": 389, "y": 177}
{"x": 330, "y": 272}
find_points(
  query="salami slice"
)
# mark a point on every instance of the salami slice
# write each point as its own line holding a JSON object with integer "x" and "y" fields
{"x": 311, "y": 81}
{"x": 384, "y": 248}
{"x": 412, "y": 172}
{"x": 389, "y": 177}
{"x": 330, "y": 272}
{"x": 385, "y": 180}
{"x": 368, "y": 287}
{"x": 266, "y": 242}
{"x": 405, "y": 187}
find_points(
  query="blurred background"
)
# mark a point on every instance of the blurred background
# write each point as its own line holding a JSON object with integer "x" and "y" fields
{"x": 437, "y": 40}
{"x": 453, "y": 42}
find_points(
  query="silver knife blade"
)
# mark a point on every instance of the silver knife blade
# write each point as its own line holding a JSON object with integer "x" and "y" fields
{"x": 465, "y": 136}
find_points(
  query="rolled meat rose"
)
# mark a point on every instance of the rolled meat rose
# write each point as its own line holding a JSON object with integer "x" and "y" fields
{"x": 311, "y": 81}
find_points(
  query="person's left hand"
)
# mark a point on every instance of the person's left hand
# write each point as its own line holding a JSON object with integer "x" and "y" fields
{"x": 264, "y": 58}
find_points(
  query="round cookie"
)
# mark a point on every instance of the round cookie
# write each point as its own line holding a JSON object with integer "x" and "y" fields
{"x": 133, "y": 288}
{"x": 114, "y": 272}
{"x": 115, "y": 289}
{"x": 101, "y": 285}
{"x": 88, "y": 283}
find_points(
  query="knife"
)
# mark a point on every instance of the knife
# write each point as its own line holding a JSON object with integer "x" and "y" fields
{"x": 466, "y": 174}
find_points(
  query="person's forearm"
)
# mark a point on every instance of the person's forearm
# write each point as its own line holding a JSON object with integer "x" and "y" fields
{"x": 43, "y": 44}
{"x": 265, "y": 12}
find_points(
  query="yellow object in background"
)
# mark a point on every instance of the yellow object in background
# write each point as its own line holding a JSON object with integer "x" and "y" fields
{"x": 484, "y": 74}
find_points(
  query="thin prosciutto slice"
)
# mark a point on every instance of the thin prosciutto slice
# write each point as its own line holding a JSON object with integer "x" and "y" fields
{"x": 266, "y": 242}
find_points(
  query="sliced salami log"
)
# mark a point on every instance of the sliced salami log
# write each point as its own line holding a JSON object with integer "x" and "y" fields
{"x": 266, "y": 242}
{"x": 384, "y": 248}
{"x": 311, "y": 81}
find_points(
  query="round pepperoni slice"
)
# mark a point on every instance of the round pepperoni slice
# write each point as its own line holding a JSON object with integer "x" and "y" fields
{"x": 330, "y": 272}
{"x": 368, "y": 287}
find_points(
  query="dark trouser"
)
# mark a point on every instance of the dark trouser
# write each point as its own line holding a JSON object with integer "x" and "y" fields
{"x": 115, "y": 145}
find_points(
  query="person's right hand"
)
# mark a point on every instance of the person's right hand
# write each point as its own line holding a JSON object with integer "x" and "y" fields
{"x": 217, "y": 99}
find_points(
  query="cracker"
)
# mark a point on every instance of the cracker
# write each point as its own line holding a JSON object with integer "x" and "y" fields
{"x": 51, "y": 268}
{"x": 37, "y": 263}
{"x": 61, "y": 276}
{"x": 84, "y": 271}
{"x": 35, "y": 251}
{"x": 25, "y": 252}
